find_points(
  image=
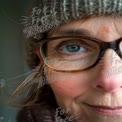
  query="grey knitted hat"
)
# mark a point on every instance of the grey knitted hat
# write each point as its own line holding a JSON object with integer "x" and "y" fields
{"x": 47, "y": 14}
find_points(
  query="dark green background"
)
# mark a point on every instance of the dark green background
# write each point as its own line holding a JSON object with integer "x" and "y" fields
{"x": 12, "y": 61}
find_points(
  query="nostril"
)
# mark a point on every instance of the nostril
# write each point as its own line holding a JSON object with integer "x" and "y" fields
{"x": 99, "y": 86}
{"x": 108, "y": 88}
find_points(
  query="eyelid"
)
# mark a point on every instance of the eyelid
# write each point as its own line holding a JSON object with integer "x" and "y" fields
{"x": 64, "y": 43}
{"x": 77, "y": 42}
{"x": 94, "y": 43}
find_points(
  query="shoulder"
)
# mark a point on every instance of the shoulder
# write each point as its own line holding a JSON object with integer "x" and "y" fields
{"x": 36, "y": 113}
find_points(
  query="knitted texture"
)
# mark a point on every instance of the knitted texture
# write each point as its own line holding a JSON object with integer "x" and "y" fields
{"x": 47, "y": 14}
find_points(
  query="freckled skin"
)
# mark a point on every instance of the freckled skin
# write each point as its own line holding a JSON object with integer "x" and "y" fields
{"x": 92, "y": 86}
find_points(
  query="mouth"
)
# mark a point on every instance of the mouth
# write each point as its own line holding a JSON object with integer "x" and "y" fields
{"x": 107, "y": 110}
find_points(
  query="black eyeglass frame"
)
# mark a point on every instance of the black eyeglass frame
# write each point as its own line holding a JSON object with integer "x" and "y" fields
{"x": 102, "y": 45}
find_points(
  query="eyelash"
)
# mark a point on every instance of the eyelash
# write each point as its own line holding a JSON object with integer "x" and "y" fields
{"x": 65, "y": 43}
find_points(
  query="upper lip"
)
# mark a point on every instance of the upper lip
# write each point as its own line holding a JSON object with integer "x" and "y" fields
{"x": 105, "y": 107}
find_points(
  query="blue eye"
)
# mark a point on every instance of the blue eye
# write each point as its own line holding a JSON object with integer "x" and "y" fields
{"x": 73, "y": 48}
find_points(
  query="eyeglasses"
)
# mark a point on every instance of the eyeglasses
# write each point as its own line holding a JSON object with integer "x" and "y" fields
{"x": 70, "y": 53}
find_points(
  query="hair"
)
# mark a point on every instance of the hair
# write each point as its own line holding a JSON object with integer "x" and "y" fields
{"x": 37, "y": 93}
{"x": 40, "y": 97}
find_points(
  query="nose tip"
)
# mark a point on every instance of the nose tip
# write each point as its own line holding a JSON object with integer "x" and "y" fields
{"x": 109, "y": 85}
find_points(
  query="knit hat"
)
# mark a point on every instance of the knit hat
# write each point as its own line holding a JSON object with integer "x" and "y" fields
{"x": 47, "y": 14}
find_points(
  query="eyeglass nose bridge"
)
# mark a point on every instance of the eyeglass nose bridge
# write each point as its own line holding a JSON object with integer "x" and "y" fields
{"x": 114, "y": 45}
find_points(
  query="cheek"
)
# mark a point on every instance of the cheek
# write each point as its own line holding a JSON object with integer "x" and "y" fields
{"x": 67, "y": 84}
{"x": 66, "y": 88}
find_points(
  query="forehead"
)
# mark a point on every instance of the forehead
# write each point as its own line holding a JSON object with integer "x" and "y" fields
{"x": 104, "y": 26}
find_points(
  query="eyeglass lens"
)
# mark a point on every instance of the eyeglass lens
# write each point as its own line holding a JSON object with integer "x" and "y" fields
{"x": 70, "y": 53}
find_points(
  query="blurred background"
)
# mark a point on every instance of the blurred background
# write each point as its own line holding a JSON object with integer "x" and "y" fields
{"x": 12, "y": 64}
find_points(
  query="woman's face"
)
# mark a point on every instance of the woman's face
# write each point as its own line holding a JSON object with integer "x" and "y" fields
{"x": 94, "y": 94}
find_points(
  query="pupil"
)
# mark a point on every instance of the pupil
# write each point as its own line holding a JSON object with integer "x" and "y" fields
{"x": 73, "y": 48}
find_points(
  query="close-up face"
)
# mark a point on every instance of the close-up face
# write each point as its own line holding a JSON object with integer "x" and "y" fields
{"x": 94, "y": 93}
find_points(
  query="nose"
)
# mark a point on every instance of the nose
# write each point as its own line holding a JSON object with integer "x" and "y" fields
{"x": 109, "y": 77}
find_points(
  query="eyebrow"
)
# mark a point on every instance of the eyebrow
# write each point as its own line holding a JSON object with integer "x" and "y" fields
{"x": 74, "y": 32}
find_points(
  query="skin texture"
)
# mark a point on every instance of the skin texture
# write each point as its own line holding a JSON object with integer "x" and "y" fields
{"x": 99, "y": 86}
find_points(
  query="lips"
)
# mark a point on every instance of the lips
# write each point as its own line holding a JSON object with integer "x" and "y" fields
{"x": 107, "y": 110}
